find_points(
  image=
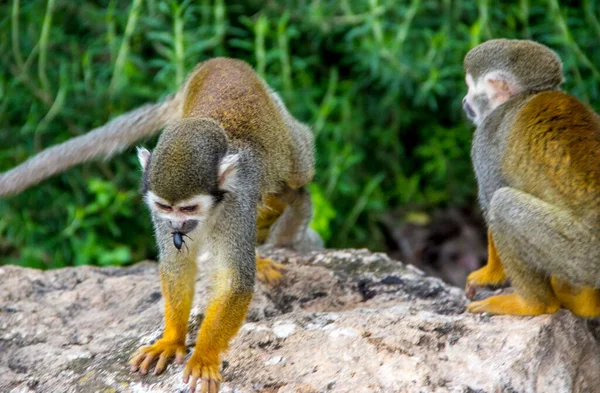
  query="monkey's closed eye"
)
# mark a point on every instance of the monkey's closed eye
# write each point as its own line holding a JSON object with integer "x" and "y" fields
{"x": 164, "y": 207}
{"x": 188, "y": 208}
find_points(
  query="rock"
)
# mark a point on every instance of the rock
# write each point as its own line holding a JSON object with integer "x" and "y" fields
{"x": 342, "y": 321}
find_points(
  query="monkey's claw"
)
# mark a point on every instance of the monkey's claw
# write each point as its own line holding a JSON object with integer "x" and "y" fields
{"x": 485, "y": 276}
{"x": 162, "y": 350}
{"x": 269, "y": 271}
{"x": 207, "y": 373}
{"x": 513, "y": 304}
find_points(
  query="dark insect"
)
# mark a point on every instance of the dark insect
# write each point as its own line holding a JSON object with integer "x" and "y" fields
{"x": 178, "y": 240}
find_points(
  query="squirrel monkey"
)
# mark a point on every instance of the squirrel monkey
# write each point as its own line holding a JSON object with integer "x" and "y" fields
{"x": 536, "y": 154}
{"x": 231, "y": 158}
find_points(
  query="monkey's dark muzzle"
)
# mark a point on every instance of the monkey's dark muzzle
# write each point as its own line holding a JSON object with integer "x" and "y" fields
{"x": 468, "y": 110}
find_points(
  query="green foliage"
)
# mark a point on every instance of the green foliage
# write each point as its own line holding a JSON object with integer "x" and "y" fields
{"x": 380, "y": 81}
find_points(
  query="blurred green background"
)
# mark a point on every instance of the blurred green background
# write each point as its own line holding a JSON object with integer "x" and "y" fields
{"x": 379, "y": 81}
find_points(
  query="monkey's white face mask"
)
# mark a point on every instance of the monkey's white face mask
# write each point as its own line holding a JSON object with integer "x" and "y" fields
{"x": 487, "y": 93}
{"x": 184, "y": 216}
{"x": 188, "y": 215}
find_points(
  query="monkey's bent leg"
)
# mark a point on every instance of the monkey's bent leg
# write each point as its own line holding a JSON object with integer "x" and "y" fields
{"x": 490, "y": 274}
{"x": 177, "y": 284}
{"x": 268, "y": 213}
{"x": 291, "y": 227}
{"x": 536, "y": 240}
{"x": 581, "y": 301}
{"x": 267, "y": 270}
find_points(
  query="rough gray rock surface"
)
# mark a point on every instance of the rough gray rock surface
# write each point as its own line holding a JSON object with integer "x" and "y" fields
{"x": 342, "y": 321}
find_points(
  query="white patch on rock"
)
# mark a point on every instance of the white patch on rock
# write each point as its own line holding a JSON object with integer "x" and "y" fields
{"x": 284, "y": 330}
{"x": 274, "y": 360}
{"x": 344, "y": 332}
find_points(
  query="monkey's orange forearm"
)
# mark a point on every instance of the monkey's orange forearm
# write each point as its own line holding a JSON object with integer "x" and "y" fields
{"x": 178, "y": 291}
{"x": 494, "y": 268}
{"x": 490, "y": 274}
{"x": 223, "y": 317}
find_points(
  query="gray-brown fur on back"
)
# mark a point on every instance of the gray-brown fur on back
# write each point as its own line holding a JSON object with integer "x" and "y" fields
{"x": 535, "y": 66}
{"x": 303, "y": 145}
{"x": 104, "y": 141}
{"x": 186, "y": 159}
{"x": 230, "y": 92}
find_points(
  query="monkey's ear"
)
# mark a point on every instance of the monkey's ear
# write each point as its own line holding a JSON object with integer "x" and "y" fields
{"x": 228, "y": 172}
{"x": 502, "y": 86}
{"x": 143, "y": 157}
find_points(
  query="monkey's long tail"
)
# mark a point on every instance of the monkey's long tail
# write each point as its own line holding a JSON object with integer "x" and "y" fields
{"x": 106, "y": 141}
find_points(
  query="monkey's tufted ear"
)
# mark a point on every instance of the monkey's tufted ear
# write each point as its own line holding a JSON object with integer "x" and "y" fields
{"x": 228, "y": 172}
{"x": 501, "y": 87}
{"x": 143, "y": 157}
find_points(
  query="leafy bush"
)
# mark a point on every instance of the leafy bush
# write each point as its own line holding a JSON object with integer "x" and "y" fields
{"x": 380, "y": 81}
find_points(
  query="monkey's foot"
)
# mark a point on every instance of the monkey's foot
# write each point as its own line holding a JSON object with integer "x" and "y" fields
{"x": 268, "y": 271}
{"x": 163, "y": 350}
{"x": 490, "y": 274}
{"x": 513, "y": 304}
{"x": 584, "y": 301}
{"x": 207, "y": 372}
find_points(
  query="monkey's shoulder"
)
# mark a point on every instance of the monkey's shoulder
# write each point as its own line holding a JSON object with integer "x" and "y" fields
{"x": 557, "y": 115}
{"x": 554, "y": 145}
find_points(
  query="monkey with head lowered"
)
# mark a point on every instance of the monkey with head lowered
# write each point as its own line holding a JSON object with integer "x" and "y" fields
{"x": 231, "y": 158}
{"x": 536, "y": 154}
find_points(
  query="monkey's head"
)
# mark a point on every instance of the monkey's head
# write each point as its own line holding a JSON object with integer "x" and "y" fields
{"x": 498, "y": 69}
{"x": 188, "y": 174}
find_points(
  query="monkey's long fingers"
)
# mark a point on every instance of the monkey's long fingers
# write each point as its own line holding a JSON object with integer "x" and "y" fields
{"x": 138, "y": 357}
{"x": 209, "y": 386}
{"x": 150, "y": 357}
{"x": 193, "y": 383}
{"x": 180, "y": 356}
{"x": 162, "y": 361}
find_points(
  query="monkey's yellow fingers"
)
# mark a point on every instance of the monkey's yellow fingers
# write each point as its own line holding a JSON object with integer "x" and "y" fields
{"x": 136, "y": 360}
{"x": 150, "y": 357}
{"x": 207, "y": 374}
{"x": 163, "y": 350}
{"x": 513, "y": 304}
{"x": 180, "y": 355}
{"x": 163, "y": 359}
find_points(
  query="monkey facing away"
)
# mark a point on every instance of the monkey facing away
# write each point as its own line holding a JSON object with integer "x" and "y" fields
{"x": 231, "y": 158}
{"x": 536, "y": 154}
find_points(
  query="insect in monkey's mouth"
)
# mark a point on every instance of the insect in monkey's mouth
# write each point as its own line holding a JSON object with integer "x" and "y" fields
{"x": 178, "y": 240}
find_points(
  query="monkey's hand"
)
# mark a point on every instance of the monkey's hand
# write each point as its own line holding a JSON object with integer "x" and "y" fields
{"x": 513, "y": 304}
{"x": 205, "y": 370}
{"x": 163, "y": 350}
{"x": 490, "y": 274}
{"x": 268, "y": 271}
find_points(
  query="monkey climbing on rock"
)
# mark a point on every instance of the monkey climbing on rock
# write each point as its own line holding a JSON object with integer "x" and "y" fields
{"x": 231, "y": 158}
{"x": 536, "y": 154}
